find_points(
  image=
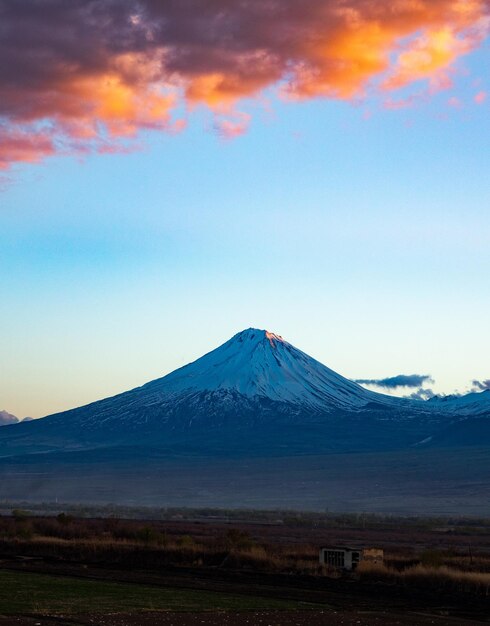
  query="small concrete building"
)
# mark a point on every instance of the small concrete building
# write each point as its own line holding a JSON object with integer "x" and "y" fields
{"x": 342, "y": 557}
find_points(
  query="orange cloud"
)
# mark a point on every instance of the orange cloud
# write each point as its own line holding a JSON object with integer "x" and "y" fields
{"x": 427, "y": 56}
{"x": 89, "y": 75}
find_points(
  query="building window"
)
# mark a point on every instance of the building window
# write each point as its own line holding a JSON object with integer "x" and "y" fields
{"x": 334, "y": 557}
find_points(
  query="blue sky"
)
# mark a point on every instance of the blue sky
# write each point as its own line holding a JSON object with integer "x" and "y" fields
{"x": 360, "y": 234}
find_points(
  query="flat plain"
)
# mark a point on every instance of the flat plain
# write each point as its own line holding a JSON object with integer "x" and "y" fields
{"x": 446, "y": 481}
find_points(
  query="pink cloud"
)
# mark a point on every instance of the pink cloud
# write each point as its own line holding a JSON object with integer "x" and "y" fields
{"x": 29, "y": 147}
{"x": 231, "y": 127}
{"x": 480, "y": 97}
{"x": 455, "y": 102}
{"x": 89, "y": 75}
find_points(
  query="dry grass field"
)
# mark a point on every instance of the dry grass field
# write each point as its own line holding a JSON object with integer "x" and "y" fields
{"x": 62, "y": 565}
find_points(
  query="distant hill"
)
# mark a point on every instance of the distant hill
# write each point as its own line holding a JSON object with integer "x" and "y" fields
{"x": 7, "y": 418}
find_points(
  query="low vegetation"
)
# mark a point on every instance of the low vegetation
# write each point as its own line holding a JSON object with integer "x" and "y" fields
{"x": 441, "y": 579}
{"x": 300, "y": 519}
{"x": 39, "y": 594}
{"x": 265, "y": 547}
{"x": 149, "y": 548}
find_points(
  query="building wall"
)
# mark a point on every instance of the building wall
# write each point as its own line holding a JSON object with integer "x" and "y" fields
{"x": 373, "y": 554}
{"x": 336, "y": 558}
{"x": 347, "y": 559}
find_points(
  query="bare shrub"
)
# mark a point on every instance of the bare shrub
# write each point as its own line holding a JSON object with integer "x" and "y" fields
{"x": 441, "y": 578}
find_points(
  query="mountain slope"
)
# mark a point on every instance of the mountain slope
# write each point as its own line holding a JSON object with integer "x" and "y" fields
{"x": 257, "y": 363}
{"x": 256, "y": 391}
{"x": 471, "y": 404}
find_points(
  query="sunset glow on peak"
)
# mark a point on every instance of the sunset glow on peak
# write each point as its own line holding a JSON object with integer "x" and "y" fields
{"x": 273, "y": 337}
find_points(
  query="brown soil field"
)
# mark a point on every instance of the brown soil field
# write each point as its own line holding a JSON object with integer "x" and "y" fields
{"x": 248, "y": 618}
{"x": 361, "y": 603}
{"x": 395, "y": 537}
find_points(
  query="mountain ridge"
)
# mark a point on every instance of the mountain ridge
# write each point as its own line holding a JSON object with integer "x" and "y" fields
{"x": 255, "y": 387}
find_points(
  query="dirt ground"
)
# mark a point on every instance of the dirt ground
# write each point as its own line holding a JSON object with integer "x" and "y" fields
{"x": 340, "y": 602}
{"x": 245, "y": 618}
{"x": 345, "y": 604}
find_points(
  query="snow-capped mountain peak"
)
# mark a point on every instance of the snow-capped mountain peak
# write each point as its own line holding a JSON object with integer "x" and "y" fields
{"x": 256, "y": 335}
{"x": 260, "y": 363}
{"x": 255, "y": 380}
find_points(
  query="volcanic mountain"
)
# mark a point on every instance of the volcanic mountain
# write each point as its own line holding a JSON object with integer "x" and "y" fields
{"x": 254, "y": 392}
{"x": 256, "y": 423}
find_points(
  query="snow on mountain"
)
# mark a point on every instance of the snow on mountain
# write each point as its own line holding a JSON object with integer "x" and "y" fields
{"x": 7, "y": 418}
{"x": 254, "y": 391}
{"x": 475, "y": 403}
{"x": 256, "y": 377}
{"x": 258, "y": 363}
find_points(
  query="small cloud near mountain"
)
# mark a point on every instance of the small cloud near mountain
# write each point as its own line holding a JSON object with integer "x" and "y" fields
{"x": 401, "y": 380}
{"x": 480, "y": 385}
{"x": 421, "y": 394}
